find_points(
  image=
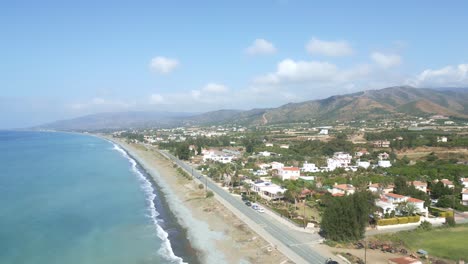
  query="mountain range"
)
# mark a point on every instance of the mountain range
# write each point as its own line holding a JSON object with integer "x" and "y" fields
{"x": 370, "y": 104}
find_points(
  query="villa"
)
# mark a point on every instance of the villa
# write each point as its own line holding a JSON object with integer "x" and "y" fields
{"x": 268, "y": 190}
{"x": 289, "y": 173}
{"x": 422, "y": 186}
{"x": 342, "y": 189}
{"x": 339, "y": 160}
{"x": 389, "y": 202}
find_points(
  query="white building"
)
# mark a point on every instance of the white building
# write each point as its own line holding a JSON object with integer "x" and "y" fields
{"x": 380, "y": 188}
{"x": 422, "y": 186}
{"x": 447, "y": 183}
{"x": 268, "y": 144}
{"x": 289, "y": 173}
{"x": 390, "y": 201}
{"x": 442, "y": 139}
{"x": 464, "y": 182}
{"x": 363, "y": 164}
{"x": 384, "y": 163}
{"x": 264, "y": 153}
{"x": 309, "y": 167}
{"x": 339, "y": 160}
{"x": 217, "y": 156}
{"x": 342, "y": 189}
{"x": 465, "y": 196}
{"x": 268, "y": 190}
{"x": 323, "y": 132}
{"x": 276, "y": 165}
{"x": 284, "y": 146}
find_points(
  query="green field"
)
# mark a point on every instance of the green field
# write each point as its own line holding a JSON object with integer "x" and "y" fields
{"x": 447, "y": 243}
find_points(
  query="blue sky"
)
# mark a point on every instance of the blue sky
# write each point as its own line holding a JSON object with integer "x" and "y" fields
{"x": 63, "y": 59}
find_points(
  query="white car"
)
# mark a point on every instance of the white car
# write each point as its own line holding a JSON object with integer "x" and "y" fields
{"x": 260, "y": 210}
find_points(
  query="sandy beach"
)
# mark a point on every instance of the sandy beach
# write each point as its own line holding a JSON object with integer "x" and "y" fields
{"x": 214, "y": 231}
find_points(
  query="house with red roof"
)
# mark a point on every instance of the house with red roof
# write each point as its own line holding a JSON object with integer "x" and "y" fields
{"x": 465, "y": 196}
{"x": 422, "y": 186}
{"x": 342, "y": 189}
{"x": 289, "y": 173}
{"x": 389, "y": 202}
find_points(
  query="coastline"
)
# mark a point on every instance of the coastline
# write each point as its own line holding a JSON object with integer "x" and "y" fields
{"x": 216, "y": 234}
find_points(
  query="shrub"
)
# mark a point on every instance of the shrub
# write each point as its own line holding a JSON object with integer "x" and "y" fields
{"x": 450, "y": 221}
{"x": 209, "y": 194}
{"x": 425, "y": 225}
{"x": 403, "y": 220}
{"x": 201, "y": 186}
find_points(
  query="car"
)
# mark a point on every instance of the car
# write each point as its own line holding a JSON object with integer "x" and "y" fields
{"x": 260, "y": 210}
{"x": 248, "y": 203}
{"x": 255, "y": 207}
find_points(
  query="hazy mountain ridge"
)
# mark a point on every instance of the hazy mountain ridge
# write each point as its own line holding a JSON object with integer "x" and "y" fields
{"x": 387, "y": 102}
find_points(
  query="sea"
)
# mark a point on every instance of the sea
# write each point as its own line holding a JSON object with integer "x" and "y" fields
{"x": 72, "y": 198}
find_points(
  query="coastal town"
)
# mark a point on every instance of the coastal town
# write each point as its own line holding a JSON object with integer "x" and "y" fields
{"x": 354, "y": 184}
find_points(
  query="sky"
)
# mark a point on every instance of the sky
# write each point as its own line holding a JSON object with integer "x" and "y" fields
{"x": 65, "y": 59}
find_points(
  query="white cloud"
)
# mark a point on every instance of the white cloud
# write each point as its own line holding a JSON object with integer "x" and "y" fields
{"x": 101, "y": 104}
{"x": 448, "y": 76}
{"x": 157, "y": 99}
{"x": 329, "y": 48}
{"x": 261, "y": 47}
{"x": 386, "y": 60}
{"x": 215, "y": 88}
{"x": 163, "y": 65}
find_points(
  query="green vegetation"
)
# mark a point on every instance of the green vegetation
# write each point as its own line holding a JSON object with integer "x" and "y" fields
{"x": 209, "y": 194}
{"x": 346, "y": 218}
{"x": 398, "y": 220}
{"x": 447, "y": 243}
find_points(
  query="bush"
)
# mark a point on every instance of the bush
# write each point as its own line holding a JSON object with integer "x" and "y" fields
{"x": 201, "y": 186}
{"x": 398, "y": 220}
{"x": 209, "y": 194}
{"x": 450, "y": 221}
{"x": 402, "y": 220}
{"x": 425, "y": 225}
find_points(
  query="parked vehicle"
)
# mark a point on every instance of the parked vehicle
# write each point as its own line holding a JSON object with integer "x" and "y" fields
{"x": 248, "y": 203}
{"x": 260, "y": 210}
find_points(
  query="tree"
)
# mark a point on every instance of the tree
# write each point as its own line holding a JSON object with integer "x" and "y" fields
{"x": 346, "y": 218}
{"x": 183, "y": 152}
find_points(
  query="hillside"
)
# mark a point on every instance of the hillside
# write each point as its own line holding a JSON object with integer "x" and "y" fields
{"x": 371, "y": 104}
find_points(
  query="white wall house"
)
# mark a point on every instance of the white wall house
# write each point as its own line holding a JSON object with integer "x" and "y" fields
{"x": 309, "y": 167}
{"x": 219, "y": 157}
{"x": 464, "y": 182}
{"x": 289, "y": 173}
{"x": 422, "y": 186}
{"x": 379, "y": 188}
{"x": 339, "y": 160}
{"x": 323, "y": 132}
{"x": 384, "y": 163}
{"x": 342, "y": 189}
{"x": 465, "y": 197}
{"x": 268, "y": 190}
{"x": 276, "y": 165}
{"x": 447, "y": 183}
{"x": 363, "y": 164}
{"x": 390, "y": 201}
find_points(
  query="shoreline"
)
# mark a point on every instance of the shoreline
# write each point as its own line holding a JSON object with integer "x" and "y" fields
{"x": 213, "y": 231}
{"x": 165, "y": 218}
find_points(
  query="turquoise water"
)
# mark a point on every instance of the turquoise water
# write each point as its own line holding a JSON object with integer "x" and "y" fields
{"x": 67, "y": 198}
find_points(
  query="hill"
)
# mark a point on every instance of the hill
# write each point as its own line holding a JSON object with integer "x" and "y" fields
{"x": 371, "y": 104}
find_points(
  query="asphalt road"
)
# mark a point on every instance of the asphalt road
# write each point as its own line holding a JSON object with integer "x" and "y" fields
{"x": 274, "y": 228}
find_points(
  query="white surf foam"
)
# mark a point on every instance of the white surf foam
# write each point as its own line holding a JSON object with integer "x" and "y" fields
{"x": 166, "y": 249}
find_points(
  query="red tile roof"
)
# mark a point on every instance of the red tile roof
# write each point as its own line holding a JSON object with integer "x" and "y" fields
{"x": 344, "y": 187}
{"x": 404, "y": 260}
{"x": 414, "y": 200}
{"x": 291, "y": 168}
{"x": 394, "y": 195}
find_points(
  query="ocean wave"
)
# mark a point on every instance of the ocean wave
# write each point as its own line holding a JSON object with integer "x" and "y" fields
{"x": 166, "y": 249}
